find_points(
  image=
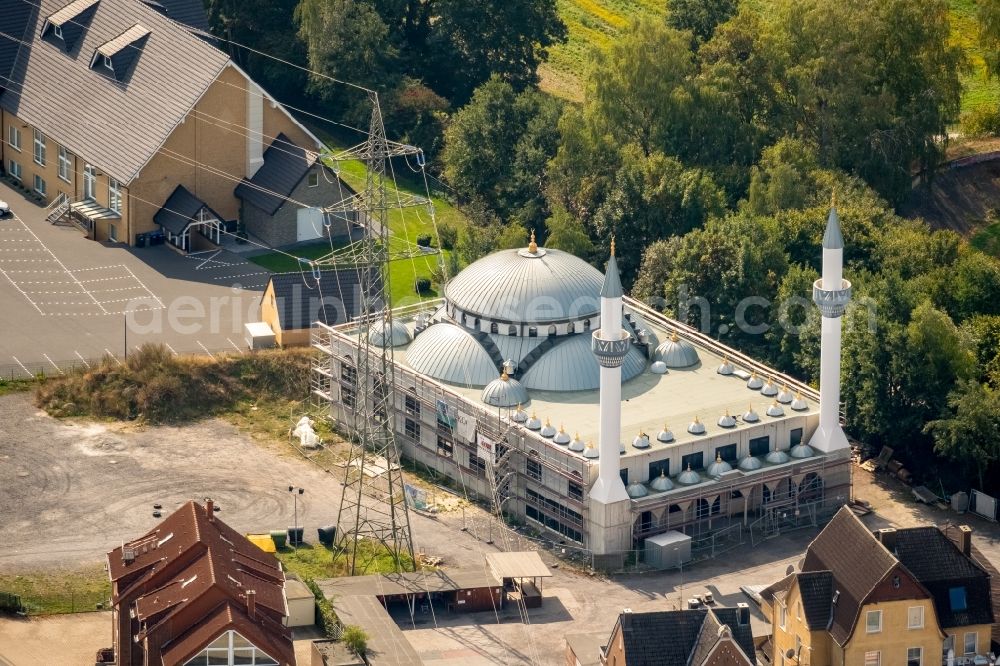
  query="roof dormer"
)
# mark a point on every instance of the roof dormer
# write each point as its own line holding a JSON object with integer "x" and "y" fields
{"x": 65, "y": 27}
{"x": 115, "y": 58}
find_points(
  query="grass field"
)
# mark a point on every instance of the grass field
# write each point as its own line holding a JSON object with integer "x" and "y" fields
{"x": 596, "y": 23}
{"x": 406, "y": 224}
{"x": 988, "y": 240}
{"x": 55, "y": 592}
{"x": 312, "y": 561}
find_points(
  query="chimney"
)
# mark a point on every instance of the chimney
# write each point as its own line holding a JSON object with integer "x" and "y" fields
{"x": 210, "y": 509}
{"x": 965, "y": 539}
{"x": 252, "y": 604}
{"x": 887, "y": 535}
{"x": 742, "y": 614}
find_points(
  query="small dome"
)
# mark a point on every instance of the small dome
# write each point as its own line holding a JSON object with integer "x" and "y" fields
{"x": 665, "y": 435}
{"x": 755, "y": 382}
{"x": 727, "y": 420}
{"x": 658, "y": 368}
{"x": 520, "y": 416}
{"x": 719, "y": 467}
{"x": 769, "y": 389}
{"x": 750, "y": 416}
{"x": 726, "y": 368}
{"x": 784, "y": 395}
{"x": 636, "y": 490}
{"x": 562, "y": 437}
{"x": 662, "y": 483}
{"x": 533, "y": 423}
{"x": 641, "y": 441}
{"x": 776, "y": 457}
{"x": 775, "y": 409}
{"x": 591, "y": 451}
{"x": 548, "y": 430}
{"x": 676, "y": 353}
{"x": 696, "y": 427}
{"x": 688, "y": 477}
{"x": 505, "y": 392}
{"x": 798, "y": 404}
{"x": 750, "y": 463}
{"x": 577, "y": 444}
{"x": 399, "y": 334}
{"x": 802, "y": 451}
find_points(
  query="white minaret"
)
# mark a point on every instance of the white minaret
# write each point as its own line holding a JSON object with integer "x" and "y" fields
{"x": 831, "y": 293}
{"x": 610, "y": 344}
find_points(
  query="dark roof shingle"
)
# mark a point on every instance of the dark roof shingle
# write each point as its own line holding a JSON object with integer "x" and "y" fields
{"x": 816, "y": 589}
{"x": 189, "y": 12}
{"x": 300, "y": 300}
{"x": 285, "y": 165}
{"x": 179, "y": 209}
{"x": 677, "y": 638}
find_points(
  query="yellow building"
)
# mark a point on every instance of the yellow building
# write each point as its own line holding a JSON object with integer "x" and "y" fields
{"x": 293, "y": 301}
{"x": 136, "y": 128}
{"x": 898, "y": 597}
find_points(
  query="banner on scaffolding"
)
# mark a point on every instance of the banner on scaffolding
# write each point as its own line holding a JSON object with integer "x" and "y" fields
{"x": 465, "y": 429}
{"x": 486, "y": 449}
{"x": 416, "y": 498}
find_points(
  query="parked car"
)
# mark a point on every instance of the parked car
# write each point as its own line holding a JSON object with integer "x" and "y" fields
{"x": 4, "y": 208}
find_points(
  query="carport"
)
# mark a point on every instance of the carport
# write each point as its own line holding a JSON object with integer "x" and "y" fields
{"x": 522, "y": 574}
{"x": 183, "y": 213}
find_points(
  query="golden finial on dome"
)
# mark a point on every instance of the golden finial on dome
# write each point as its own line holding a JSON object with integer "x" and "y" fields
{"x": 833, "y": 198}
{"x": 505, "y": 377}
{"x": 533, "y": 246}
{"x": 673, "y": 336}
{"x": 612, "y": 245}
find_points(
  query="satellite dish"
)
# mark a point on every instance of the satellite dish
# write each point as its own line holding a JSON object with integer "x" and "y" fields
{"x": 789, "y": 570}
{"x": 790, "y": 654}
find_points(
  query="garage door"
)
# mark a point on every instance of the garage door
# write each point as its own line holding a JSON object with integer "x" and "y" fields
{"x": 310, "y": 224}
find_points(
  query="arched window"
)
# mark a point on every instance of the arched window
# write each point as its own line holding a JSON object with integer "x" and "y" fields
{"x": 512, "y": 330}
{"x": 532, "y": 332}
{"x": 586, "y": 324}
{"x": 571, "y": 328}
{"x": 552, "y": 329}
{"x": 494, "y": 327}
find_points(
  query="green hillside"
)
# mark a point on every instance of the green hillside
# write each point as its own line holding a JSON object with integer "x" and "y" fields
{"x": 595, "y": 23}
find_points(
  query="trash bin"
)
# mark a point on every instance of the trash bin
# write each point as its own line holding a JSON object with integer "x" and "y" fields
{"x": 278, "y": 537}
{"x": 140, "y": 240}
{"x": 327, "y": 535}
{"x": 295, "y": 536}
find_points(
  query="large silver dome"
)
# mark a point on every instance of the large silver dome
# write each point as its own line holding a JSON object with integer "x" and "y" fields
{"x": 571, "y": 366}
{"x": 676, "y": 352}
{"x": 523, "y": 287}
{"x": 450, "y": 354}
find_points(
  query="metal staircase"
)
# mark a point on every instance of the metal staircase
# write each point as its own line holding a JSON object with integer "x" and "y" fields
{"x": 57, "y": 212}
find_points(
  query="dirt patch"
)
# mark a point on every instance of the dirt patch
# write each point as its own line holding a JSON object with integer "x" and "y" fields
{"x": 959, "y": 199}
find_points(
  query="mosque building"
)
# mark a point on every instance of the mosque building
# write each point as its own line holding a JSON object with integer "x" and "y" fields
{"x": 535, "y": 382}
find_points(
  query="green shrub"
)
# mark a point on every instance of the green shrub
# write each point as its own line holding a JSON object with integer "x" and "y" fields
{"x": 424, "y": 240}
{"x": 448, "y": 234}
{"x": 981, "y": 122}
{"x": 356, "y": 639}
{"x": 422, "y": 285}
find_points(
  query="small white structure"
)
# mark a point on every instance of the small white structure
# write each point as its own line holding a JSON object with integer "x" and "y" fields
{"x": 301, "y": 604}
{"x": 668, "y": 550}
{"x": 308, "y": 439}
{"x": 259, "y": 335}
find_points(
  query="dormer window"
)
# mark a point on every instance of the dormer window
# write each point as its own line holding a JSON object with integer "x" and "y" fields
{"x": 57, "y": 31}
{"x": 116, "y": 57}
{"x": 108, "y": 64}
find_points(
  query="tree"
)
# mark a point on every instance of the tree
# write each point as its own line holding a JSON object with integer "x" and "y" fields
{"x": 356, "y": 639}
{"x": 487, "y": 235}
{"x": 988, "y": 14}
{"x": 970, "y": 433}
{"x": 496, "y": 149}
{"x": 700, "y": 17}
{"x": 568, "y": 234}
{"x": 983, "y": 336}
{"x": 784, "y": 178}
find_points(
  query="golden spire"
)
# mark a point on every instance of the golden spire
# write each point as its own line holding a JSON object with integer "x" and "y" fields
{"x": 505, "y": 377}
{"x": 533, "y": 246}
{"x": 561, "y": 429}
{"x": 612, "y": 245}
{"x": 673, "y": 336}
{"x": 833, "y": 198}
{"x": 718, "y": 457}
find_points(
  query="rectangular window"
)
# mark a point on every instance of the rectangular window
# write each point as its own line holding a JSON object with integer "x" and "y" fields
{"x": 575, "y": 491}
{"x": 64, "y": 164}
{"x": 798, "y": 610}
{"x": 314, "y": 179}
{"x": 873, "y": 658}
{"x": 112, "y": 233}
{"x": 534, "y": 470}
{"x": 971, "y": 642}
{"x": 760, "y": 446}
{"x": 727, "y": 453}
{"x": 659, "y": 467}
{"x": 14, "y": 137}
{"x": 349, "y": 374}
{"x": 412, "y": 429}
{"x": 108, "y": 63}
{"x": 89, "y": 181}
{"x": 114, "y": 195}
{"x": 914, "y": 656}
{"x": 795, "y": 437}
{"x": 695, "y": 461}
{"x": 957, "y": 597}
{"x": 15, "y": 170}
{"x": 57, "y": 31}
{"x": 623, "y": 473}
{"x": 39, "y": 184}
{"x": 477, "y": 465}
{"x": 347, "y": 397}
{"x": 915, "y": 617}
{"x": 783, "y": 617}
{"x": 39, "y": 148}
{"x": 445, "y": 448}
{"x": 411, "y": 405}
{"x": 873, "y": 622}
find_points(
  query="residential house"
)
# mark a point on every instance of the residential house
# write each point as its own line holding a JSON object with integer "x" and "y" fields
{"x": 698, "y": 637}
{"x": 896, "y": 597}
{"x": 110, "y": 110}
{"x": 194, "y": 591}
{"x": 293, "y": 301}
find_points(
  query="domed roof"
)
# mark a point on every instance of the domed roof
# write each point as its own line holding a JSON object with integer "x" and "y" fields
{"x": 399, "y": 337}
{"x": 802, "y": 451}
{"x": 658, "y": 368}
{"x": 548, "y": 430}
{"x": 719, "y": 467}
{"x": 505, "y": 392}
{"x": 577, "y": 444}
{"x": 662, "y": 483}
{"x": 450, "y": 354}
{"x": 727, "y": 420}
{"x": 750, "y": 416}
{"x": 784, "y": 395}
{"x": 562, "y": 437}
{"x": 636, "y": 490}
{"x": 676, "y": 353}
{"x": 755, "y": 382}
{"x": 726, "y": 368}
{"x": 776, "y": 457}
{"x": 775, "y": 410}
{"x": 799, "y": 404}
{"x": 591, "y": 451}
{"x": 665, "y": 435}
{"x": 641, "y": 441}
{"x": 696, "y": 427}
{"x": 688, "y": 477}
{"x": 750, "y": 463}
{"x": 520, "y": 416}
{"x": 769, "y": 389}
{"x": 528, "y": 287}
{"x": 571, "y": 366}
{"x": 533, "y": 423}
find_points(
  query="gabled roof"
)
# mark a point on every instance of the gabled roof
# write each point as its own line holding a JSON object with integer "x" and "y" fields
{"x": 816, "y": 590}
{"x": 682, "y": 637}
{"x": 122, "y": 52}
{"x": 301, "y": 300}
{"x": 14, "y": 21}
{"x": 190, "y": 553}
{"x": 116, "y": 127}
{"x": 189, "y": 12}
{"x": 72, "y": 20}
{"x": 180, "y": 208}
{"x": 285, "y": 165}
{"x": 858, "y": 562}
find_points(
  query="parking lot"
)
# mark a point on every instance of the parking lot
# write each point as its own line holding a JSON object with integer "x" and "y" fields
{"x": 66, "y": 300}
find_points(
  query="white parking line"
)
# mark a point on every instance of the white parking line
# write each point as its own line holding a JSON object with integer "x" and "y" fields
{"x": 53, "y": 364}
{"x": 18, "y": 287}
{"x": 82, "y": 359}
{"x": 235, "y": 346}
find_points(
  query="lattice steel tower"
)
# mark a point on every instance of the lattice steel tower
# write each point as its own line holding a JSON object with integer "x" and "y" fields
{"x": 373, "y": 506}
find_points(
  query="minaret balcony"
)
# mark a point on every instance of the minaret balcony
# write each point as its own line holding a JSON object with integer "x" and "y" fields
{"x": 832, "y": 302}
{"x": 610, "y": 353}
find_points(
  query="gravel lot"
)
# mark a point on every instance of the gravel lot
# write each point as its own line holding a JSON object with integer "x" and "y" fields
{"x": 69, "y": 492}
